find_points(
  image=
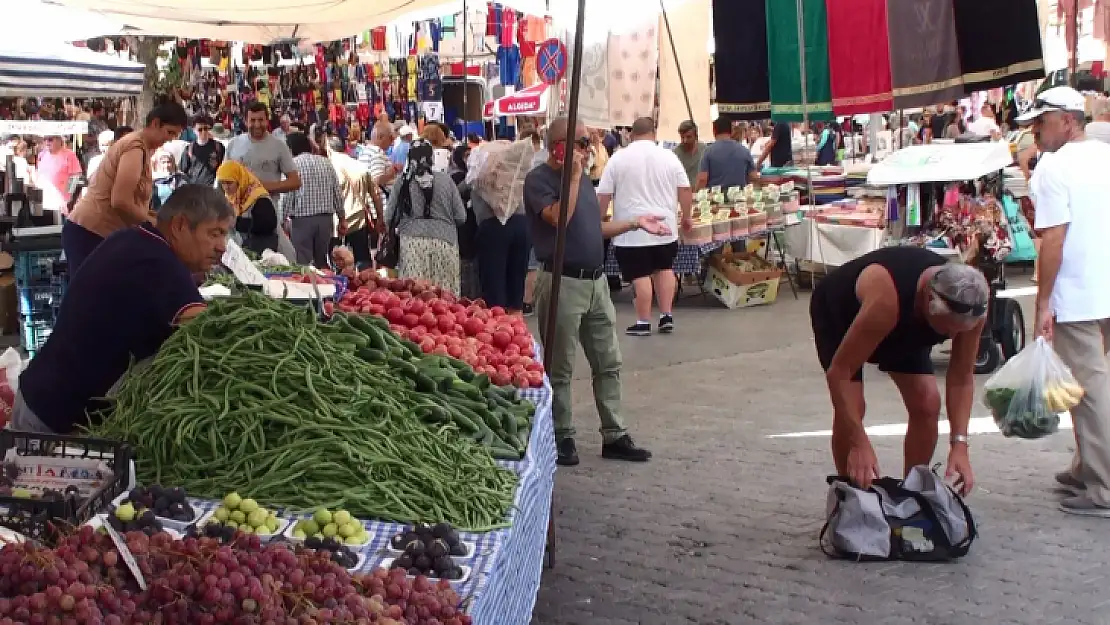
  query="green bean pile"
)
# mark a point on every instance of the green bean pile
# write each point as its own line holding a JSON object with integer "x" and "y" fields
{"x": 253, "y": 396}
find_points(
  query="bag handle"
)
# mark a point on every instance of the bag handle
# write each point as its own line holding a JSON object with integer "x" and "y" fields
{"x": 834, "y": 552}
{"x": 957, "y": 550}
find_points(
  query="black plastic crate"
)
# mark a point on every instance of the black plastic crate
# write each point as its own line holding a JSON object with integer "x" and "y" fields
{"x": 38, "y": 268}
{"x": 42, "y": 519}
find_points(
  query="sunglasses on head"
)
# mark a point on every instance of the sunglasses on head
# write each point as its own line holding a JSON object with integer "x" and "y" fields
{"x": 959, "y": 308}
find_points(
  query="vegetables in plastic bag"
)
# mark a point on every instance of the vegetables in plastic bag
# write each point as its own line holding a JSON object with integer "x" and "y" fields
{"x": 1027, "y": 394}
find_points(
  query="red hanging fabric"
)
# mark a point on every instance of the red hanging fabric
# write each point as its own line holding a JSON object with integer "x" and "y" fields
{"x": 859, "y": 56}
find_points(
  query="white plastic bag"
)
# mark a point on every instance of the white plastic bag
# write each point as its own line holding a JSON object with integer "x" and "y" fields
{"x": 12, "y": 363}
{"x": 500, "y": 179}
{"x": 1027, "y": 395}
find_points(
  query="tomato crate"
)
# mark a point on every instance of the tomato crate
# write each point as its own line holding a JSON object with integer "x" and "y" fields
{"x": 37, "y": 267}
{"x": 88, "y": 472}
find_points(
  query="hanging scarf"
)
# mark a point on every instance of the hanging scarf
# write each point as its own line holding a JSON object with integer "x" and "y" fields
{"x": 249, "y": 189}
{"x": 418, "y": 169}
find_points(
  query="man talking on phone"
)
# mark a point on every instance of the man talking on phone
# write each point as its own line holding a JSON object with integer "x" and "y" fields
{"x": 585, "y": 312}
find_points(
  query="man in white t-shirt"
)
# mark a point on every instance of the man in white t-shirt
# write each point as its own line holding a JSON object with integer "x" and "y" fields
{"x": 1073, "y": 293}
{"x": 645, "y": 179}
{"x": 985, "y": 126}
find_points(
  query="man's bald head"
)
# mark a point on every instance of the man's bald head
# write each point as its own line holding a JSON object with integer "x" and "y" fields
{"x": 643, "y": 127}
{"x": 557, "y": 131}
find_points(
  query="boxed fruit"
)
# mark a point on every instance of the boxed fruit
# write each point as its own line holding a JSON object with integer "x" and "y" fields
{"x": 742, "y": 280}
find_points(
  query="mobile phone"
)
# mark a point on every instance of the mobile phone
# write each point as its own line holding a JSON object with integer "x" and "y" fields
{"x": 559, "y": 151}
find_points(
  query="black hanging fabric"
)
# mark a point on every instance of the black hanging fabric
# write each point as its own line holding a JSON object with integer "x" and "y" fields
{"x": 743, "y": 83}
{"x": 1000, "y": 42}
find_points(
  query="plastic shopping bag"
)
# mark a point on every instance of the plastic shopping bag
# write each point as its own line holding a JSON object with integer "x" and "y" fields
{"x": 12, "y": 364}
{"x": 1027, "y": 394}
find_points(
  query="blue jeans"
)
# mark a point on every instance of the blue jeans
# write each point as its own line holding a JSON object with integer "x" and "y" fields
{"x": 503, "y": 260}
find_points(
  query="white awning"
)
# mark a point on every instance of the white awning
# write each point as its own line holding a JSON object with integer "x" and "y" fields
{"x": 941, "y": 162}
{"x": 253, "y": 21}
{"x": 30, "y": 68}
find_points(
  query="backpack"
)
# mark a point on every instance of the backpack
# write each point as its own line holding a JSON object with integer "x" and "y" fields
{"x": 919, "y": 519}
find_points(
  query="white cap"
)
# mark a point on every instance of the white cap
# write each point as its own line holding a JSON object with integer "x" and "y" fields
{"x": 405, "y": 130}
{"x": 105, "y": 138}
{"x": 1054, "y": 99}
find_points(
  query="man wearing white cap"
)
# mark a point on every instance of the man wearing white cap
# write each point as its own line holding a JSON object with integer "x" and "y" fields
{"x": 400, "y": 152}
{"x": 1073, "y": 291}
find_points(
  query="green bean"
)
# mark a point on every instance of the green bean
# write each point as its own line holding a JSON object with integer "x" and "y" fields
{"x": 256, "y": 396}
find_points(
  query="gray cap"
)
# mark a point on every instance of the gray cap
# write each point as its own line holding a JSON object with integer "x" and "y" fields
{"x": 963, "y": 289}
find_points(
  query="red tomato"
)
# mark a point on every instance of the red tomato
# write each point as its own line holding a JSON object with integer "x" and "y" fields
{"x": 397, "y": 328}
{"x": 427, "y": 344}
{"x": 404, "y": 295}
{"x": 395, "y": 315}
{"x": 478, "y": 313}
{"x": 511, "y": 352}
{"x": 440, "y": 307}
{"x": 496, "y": 359}
{"x": 517, "y": 368}
{"x": 500, "y": 379}
{"x": 521, "y": 379}
{"x": 377, "y": 309}
{"x": 480, "y": 303}
{"x": 435, "y": 332}
{"x": 428, "y": 320}
{"x": 447, "y": 324}
{"x": 364, "y": 309}
{"x": 392, "y": 300}
{"x": 497, "y": 311}
{"x": 534, "y": 366}
{"x": 473, "y": 326}
{"x": 484, "y": 337}
{"x": 459, "y": 309}
{"x": 501, "y": 339}
{"x": 411, "y": 320}
{"x": 522, "y": 340}
{"x": 440, "y": 350}
{"x": 347, "y": 308}
{"x": 535, "y": 379}
{"x": 379, "y": 297}
{"x": 419, "y": 332}
{"x": 521, "y": 329}
{"x": 455, "y": 351}
{"x": 416, "y": 307}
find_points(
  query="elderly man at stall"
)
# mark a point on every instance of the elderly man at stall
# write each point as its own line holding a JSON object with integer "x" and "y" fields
{"x": 890, "y": 307}
{"x": 130, "y": 294}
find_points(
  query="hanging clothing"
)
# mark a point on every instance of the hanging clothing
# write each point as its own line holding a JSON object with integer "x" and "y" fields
{"x": 508, "y": 59}
{"x": 783, "y": 56}
{"x": 989, "y": 60}
{"x": 859, "y": 57}
{"x": 740, "y": 32}
{"x": 924, "y": 55}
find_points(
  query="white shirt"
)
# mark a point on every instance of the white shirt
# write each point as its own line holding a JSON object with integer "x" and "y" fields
{"x": 758, "y": 146}
{"x": 1099, "y": 131}
{"x": 644, "y": 179}
{"x": 983, "y": 127}
{"x": 1070, "y": 188}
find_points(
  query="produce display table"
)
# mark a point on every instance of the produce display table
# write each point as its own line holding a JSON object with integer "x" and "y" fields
{"x": 507, "y": 563}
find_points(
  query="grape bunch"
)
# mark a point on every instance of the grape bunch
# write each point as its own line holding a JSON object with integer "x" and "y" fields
{"x": 84, "y": 580}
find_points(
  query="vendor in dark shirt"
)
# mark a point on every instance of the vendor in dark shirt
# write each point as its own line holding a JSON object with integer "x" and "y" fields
{"x": 120, "y": 307}
{"x": 585, "y": 311}
{"x": 726, "y": 162}
{"x": 202, "y": 157}
{"x": 780, "y": 148}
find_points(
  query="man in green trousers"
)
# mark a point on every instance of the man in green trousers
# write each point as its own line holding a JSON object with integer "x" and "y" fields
{"x": 586, "y": 312}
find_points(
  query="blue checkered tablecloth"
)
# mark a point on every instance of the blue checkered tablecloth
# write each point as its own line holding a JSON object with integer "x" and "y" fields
{"x": 690, "y": 258}
{"x": 506, "y": 564}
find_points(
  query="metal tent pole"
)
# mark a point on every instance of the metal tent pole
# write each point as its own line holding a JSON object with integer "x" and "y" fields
{"x": 799, "y": 4}
{"x": 561, "y": 231}
{"x": 677, "y": 64}
{"x": 465, "y": 72}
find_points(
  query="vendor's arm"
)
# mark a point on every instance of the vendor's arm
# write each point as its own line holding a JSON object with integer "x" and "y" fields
{"x": 124, "y": 200}
{"x": 878, "y": 314}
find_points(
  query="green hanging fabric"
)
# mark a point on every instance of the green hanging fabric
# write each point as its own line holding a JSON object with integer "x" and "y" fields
{"x": 784, "y": 64}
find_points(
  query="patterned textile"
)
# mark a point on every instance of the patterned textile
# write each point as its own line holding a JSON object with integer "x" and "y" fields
{"x": 433, "y": 260}
{"x": 319, "y": 192}
{"x": 633, "y": 60}
{"x": 593, "y": 97}
{"x": 979, "y": 228}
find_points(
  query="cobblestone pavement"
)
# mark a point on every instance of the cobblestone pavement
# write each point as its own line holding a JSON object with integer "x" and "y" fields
{"x": 721, "y": 527}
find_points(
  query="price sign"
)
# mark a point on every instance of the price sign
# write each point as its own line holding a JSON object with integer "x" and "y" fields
{"x": 433, "y": 111}
{"x": 245, "y": 271}
{"x": 125, "y": 553}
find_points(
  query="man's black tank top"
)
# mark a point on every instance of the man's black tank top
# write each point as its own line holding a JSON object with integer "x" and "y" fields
{"x": 836, "y": 299}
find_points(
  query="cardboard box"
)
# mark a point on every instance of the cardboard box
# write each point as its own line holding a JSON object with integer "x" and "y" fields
{"x": 742, "y": 289}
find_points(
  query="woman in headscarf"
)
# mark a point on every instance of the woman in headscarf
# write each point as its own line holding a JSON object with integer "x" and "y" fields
{"x": 166, "y": 178}
{"x": 427, "y": 209}
{"x": 256, "y": 217}
{"x": 468, "y": 230}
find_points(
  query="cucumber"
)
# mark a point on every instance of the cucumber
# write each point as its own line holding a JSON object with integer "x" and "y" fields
{"x": 369, "y": 354}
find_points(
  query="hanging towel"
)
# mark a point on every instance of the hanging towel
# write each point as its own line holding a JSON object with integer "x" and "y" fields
{"x": 1000, "y": 42}
{"x": 924, "y": 56}
{"x": 859, "y": 57}
{"x": 913, "y": 205}
{"x": 633, "y": 61}
{"x": 593, "y": 94}
{"x": 785, "y": 64}
{"x": 740, "y": 33}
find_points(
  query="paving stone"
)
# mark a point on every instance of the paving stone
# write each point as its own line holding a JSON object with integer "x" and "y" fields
{"x": 721, "y": 527}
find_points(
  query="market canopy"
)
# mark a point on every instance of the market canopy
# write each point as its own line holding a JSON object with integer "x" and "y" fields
{"x": 253, "y": 21}
{"x": 941, "y": 162}
{"x": 35, "y": 68}
{"x": 530, "y": 101}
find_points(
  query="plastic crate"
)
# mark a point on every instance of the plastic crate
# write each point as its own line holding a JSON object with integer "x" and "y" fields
{"x": 40, "y": 303}
{"x": 44, "y": 520}
{"x": 34, "y": 333}
{"x": 37, "y": 268}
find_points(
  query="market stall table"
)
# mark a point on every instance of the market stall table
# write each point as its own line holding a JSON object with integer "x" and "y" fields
{"x": 690, "y": 260}
{"x": 507, "y": 563}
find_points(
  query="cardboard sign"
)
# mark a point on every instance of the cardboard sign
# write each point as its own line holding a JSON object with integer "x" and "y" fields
{"x": 245, "y": 271}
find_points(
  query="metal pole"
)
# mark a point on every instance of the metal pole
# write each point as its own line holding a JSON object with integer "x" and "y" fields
{"x": 677, "y": 65}
{"x": 805, "y": 94}
{"x": 1073, "y": 50}
{"x": 561, "y": 231}
{"x": 466, "y": 72}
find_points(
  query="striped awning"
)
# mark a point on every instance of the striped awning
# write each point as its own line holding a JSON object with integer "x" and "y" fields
{"x": 41, "y": 69}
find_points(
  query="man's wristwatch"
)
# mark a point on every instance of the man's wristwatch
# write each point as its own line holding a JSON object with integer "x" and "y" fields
{"x": 959, "y": 438}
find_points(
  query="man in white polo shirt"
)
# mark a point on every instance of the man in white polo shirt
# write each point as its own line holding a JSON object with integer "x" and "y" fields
{"x": 645, "y": 179}
{"x": 1073, "y": 293}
